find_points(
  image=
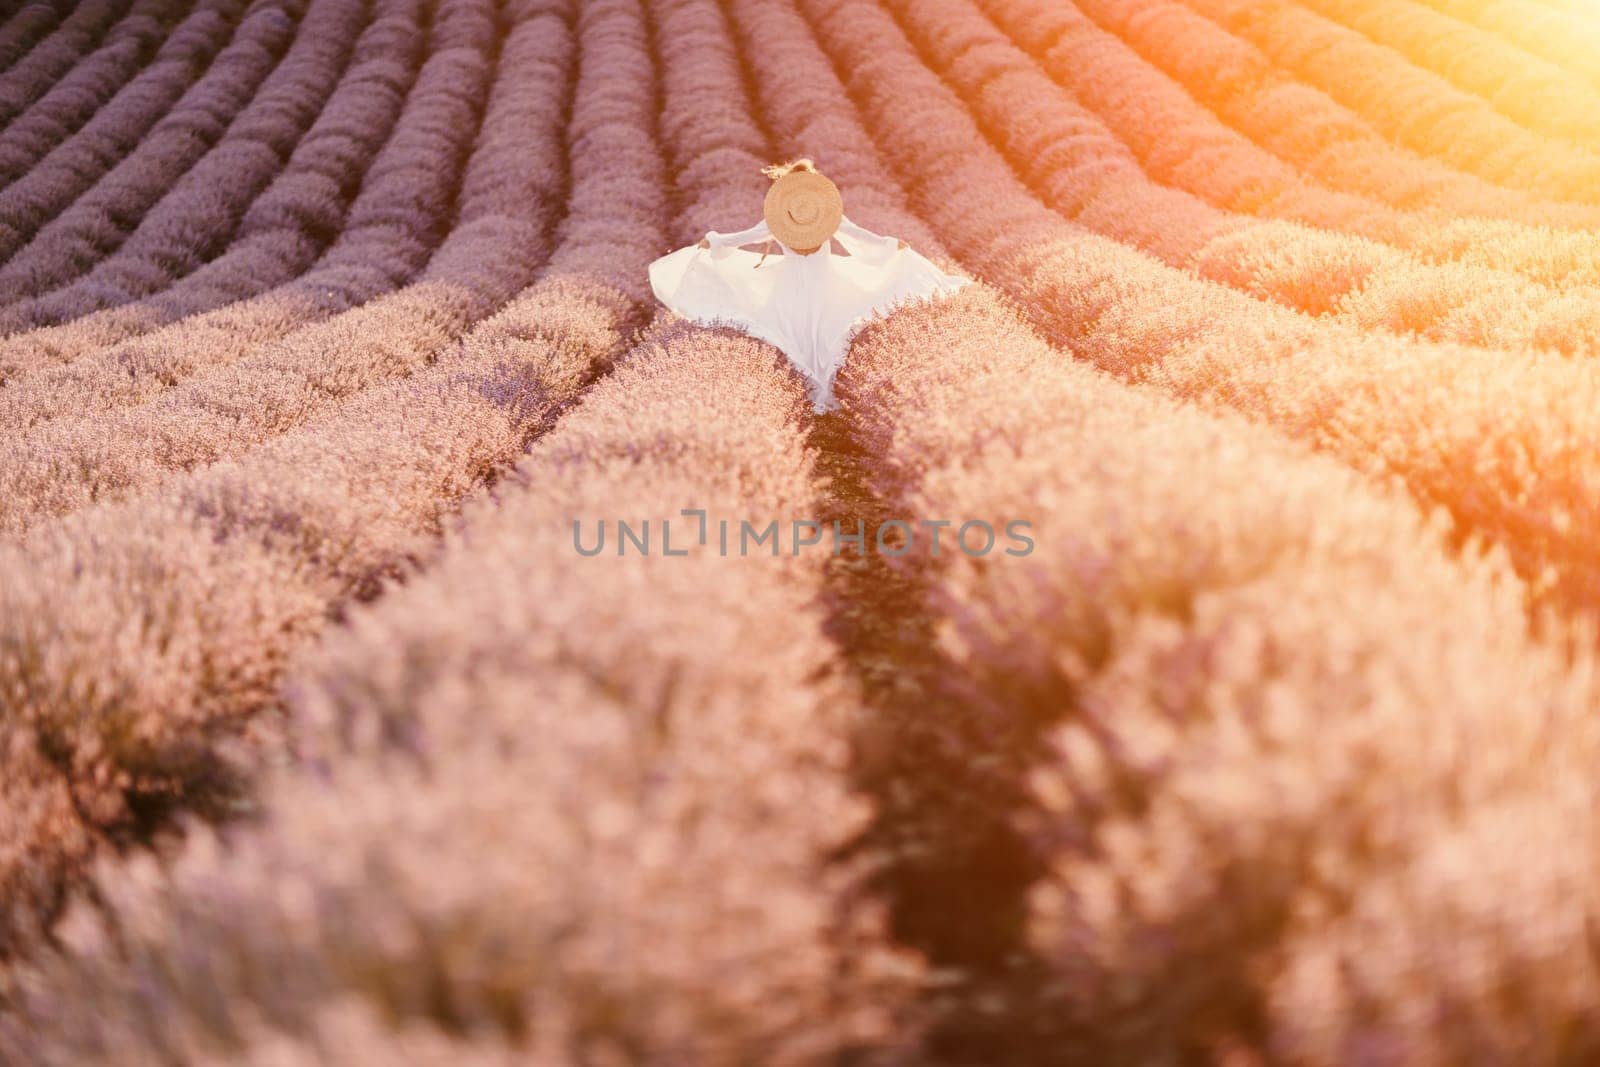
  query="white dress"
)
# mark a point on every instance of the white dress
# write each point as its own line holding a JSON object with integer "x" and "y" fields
{"x": 810, "y": 306}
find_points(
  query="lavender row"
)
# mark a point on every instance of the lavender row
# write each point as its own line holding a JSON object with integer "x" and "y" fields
{"x": 199, "y": 214}
{"x": 1385, "y": 89}
{"x": 393, "y": 225}
{"x": 127, "y": 47}
{"x": 217, "y": 413}
{"x": 1083, "y": 171}
{"x": 33, "y": 74}
{"x": 588, "y": 824}
{"x": 1292, "y": 120}
{"x": 25, "y": 27}
{"x": 117, "y": 128}
{"x": 1538, "y": 96}
{"x": 282, "y": 232}
{"x": 1248, "y": 741}
{"x": 1571, "y": 43}
{"x": 238, "y": 564}
{"x": 98, "y": 222}
{"x": 1504, "y": 441}
{"x": 1146, "y": 69}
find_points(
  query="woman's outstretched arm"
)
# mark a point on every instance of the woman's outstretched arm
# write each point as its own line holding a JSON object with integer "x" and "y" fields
{"x": 717, "y": 239}
{"x": 866, "y": 243}
{"x": 849, "y": 228}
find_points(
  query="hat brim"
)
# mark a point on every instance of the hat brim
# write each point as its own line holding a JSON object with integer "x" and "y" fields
{"x": 803, "y": 209}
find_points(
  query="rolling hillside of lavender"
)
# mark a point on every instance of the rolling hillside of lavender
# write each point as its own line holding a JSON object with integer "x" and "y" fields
{"x": 419, "y": 644}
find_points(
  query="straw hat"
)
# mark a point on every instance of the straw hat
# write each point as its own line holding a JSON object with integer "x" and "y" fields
{"x": 803, "y": 209}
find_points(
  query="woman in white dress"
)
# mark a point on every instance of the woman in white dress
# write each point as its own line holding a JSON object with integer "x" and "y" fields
{"x": 808, "y": 301}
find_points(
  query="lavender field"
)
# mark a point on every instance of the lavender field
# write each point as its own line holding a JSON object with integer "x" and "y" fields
{"x": 327, "y": 349}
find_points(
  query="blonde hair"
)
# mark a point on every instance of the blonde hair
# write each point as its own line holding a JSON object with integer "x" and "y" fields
{"x": 778, "y": 170}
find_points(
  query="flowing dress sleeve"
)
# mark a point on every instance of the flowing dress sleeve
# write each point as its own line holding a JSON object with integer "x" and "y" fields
{"x": 718, "y": 285}
{"x": 876, "y": 278}
{"x": 722, "y": 243}
{"x": 863, "y": 244}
